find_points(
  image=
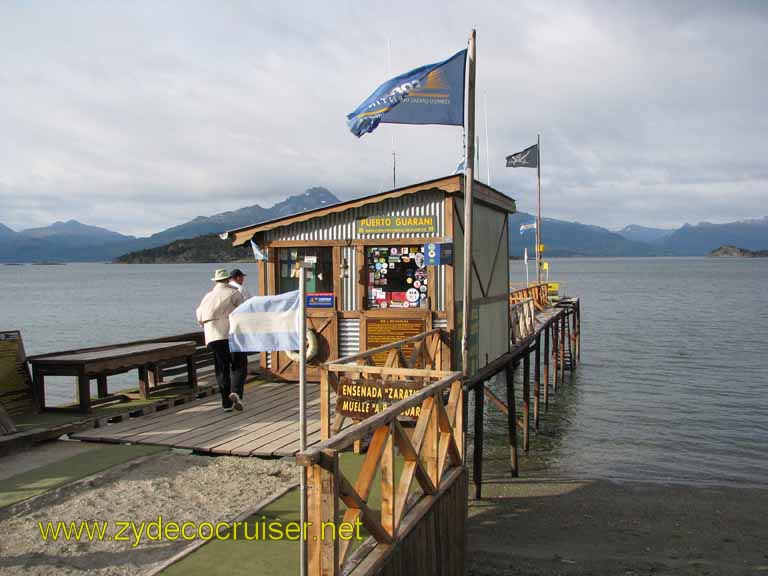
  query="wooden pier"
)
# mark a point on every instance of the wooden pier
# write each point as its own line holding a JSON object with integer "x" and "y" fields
{"x": 415, "y": 443}
{"x": 267, "y": 427}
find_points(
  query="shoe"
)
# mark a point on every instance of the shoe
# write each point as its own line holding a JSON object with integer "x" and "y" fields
{"x": 229, "y": 409}
{"x": 236, "y": 403}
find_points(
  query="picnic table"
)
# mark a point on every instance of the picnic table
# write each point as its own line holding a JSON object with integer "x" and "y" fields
{"x": 99, "y": 363}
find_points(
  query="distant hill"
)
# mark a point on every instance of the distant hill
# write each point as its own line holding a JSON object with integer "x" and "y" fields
{"x": 6, "y": 232}
{"x": 73, "y": 241}
{"x": 637, "y": 233}
{"x": 701, "y": 239}
{"x": 209, "y": 247}
{"x": 734, "y": 252}
{"x": 313, "y": 198}
{"x": 75, "y": 233}
{"x": 561, "y": 238}
{"x": 61, "y": 241}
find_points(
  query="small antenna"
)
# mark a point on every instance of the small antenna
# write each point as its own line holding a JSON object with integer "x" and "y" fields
{"x": 394, "y": 153}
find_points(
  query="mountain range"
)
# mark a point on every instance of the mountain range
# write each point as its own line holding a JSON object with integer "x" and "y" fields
{"x": 198, "y": 241}
{"x": 73, "y": 241}
{"x": 562, "y": 238}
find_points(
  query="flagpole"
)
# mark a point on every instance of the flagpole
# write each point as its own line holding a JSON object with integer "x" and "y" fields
{"x": 469, "y": 169}
{"x": 302, "y": 408}
{"x": 487, "y": 142}
{"x": 394, "y": 153}
{"x": 538, "y": 205}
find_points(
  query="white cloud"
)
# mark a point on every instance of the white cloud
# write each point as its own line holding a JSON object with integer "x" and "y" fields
{"x": 140, "y": 116}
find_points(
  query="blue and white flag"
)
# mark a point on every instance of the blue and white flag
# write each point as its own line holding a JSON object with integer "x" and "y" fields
{"x": 257, "y": 253}
{"x": 431, "y": 94}
{"x": 524, "y": 227}
{"x": 266, "y": 324}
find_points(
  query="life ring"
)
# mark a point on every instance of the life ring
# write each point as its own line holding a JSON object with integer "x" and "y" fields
{"x": 311, "y": 348}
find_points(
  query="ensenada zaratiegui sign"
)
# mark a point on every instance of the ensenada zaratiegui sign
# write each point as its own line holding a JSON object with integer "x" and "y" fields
{"x": 396, "y": 224}
{"x": 360, "y": 398}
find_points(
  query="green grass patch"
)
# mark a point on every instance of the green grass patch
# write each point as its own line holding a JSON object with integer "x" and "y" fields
{"x": 276, "y": 558}
{"x": 50, "y": 476}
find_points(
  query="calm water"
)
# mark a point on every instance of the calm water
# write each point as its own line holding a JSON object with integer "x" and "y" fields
{"x": 672, "y": 385}
{"x": 81, "y": 305}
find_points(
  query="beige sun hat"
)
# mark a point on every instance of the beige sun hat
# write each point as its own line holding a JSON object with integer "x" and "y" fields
{"x": 220, "y": 274}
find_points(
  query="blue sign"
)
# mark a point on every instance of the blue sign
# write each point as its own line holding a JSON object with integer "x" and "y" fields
{"x": 320, "y": 300}
{"x": 431, "y": 94}
{"x": 437, "y": 254}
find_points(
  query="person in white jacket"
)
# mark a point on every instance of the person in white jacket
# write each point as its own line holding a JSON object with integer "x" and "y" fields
{"x": 239, "y": 359}
{"x": 213, "y": 315}
{"x": 237, "y": 281}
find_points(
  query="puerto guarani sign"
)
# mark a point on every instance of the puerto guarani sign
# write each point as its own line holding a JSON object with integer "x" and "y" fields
{"x": 395, "y": 224}
{"x": 359, "y": 397}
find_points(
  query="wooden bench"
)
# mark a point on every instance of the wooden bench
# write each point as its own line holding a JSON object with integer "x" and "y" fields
{"x": 16, "y": 397}
{"x": 99, "y": 363}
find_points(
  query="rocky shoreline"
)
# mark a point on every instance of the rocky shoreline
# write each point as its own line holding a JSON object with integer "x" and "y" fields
{"x": 736, "y": 252}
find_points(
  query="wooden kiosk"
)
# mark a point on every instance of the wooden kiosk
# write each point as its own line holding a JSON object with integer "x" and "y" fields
{"x": 388, "y": 266}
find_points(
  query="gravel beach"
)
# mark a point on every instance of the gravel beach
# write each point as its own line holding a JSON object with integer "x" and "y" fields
{"x": 180, "y": 487}
{"x": 532, "y": 527}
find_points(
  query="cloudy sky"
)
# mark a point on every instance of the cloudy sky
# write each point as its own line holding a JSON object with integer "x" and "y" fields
{"x": 138, "y": 116}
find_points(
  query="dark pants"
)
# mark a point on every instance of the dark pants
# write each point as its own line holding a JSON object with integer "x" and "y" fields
{"x": 230, "y": 368}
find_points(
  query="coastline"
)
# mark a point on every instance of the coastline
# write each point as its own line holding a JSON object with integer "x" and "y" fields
{"x": 545, "y": 525}
{"x": 175, "y": 485}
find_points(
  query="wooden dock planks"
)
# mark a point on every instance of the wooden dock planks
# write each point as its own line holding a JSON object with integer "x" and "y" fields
{"x": 267, "y": 427}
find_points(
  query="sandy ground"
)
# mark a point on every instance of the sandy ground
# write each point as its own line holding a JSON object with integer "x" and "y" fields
{"x": 555, "y": 527}
{"x": 177, "y": 486}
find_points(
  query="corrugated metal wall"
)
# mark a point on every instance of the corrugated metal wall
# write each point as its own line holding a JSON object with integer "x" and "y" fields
{"x": 349, "y": 336}
{"x": 341, "y": 226}
{"x": 349, "y": 284}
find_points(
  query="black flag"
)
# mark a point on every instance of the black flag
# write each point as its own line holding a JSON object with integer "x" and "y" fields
{"x": 528, "y": 158}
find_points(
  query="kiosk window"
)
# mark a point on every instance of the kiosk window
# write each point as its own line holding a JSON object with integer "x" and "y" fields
{"x": 319, "y": 278}
{"x": 397, "y": 277}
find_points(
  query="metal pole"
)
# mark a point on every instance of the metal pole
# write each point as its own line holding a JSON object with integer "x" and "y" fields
{"x": 469, "y": 169}
{"x": 302, "y": 408}
{"x": 538, "y": 209}
{"x": 487, "y": 140}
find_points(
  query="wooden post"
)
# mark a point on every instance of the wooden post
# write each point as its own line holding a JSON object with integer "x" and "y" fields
{"x": 537, "y": 382}
{"x": 323, "y": 495}
{"x": 459, "y": 430}
{"x": 84, "y": 391}
{"x": 431, "y": 446}
{"x": 555, "y": 356}
{"x": 325, "y": 404}
{"x": 561, "y": 345}
{"x": 388, "y": 483}
{"x": 526, "y": 399}
{"x": 38, "y": 385}
{"x": 477, "y": 456}
{"x": 546, "y": 368}
{"x": 512, "y": 418}
{"x": 469, "y": 170}
{"x": 101, "y": 386}
{"x": 143, "y": 382}
{"x": 192, "y": 372}
{"x": 578, "y": 330}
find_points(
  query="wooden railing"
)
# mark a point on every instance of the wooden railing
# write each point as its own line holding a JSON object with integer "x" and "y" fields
{"x": 433, "y": 456}
{"x": 422, "y": 358}
{"x": 537, "y": 292}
